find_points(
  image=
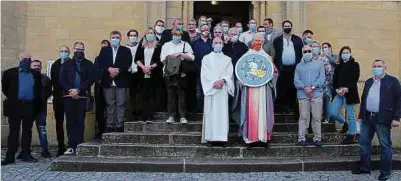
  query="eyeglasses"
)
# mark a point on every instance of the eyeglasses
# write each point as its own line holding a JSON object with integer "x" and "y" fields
{"x": 307, "y": 51}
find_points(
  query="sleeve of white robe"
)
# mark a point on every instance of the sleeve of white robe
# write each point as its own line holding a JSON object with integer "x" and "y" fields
{"x": 229, "y": 78}
{"x": 207, "y": 77}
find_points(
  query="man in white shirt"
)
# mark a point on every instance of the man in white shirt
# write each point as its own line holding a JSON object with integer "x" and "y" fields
{"x": 176, "y": 84}
{"x": 247, "y": 36}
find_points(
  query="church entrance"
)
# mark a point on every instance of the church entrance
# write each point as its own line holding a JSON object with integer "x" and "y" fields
{"x": 232, "y": 11}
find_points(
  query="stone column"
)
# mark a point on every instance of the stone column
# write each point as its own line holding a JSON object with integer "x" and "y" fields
{"x": 295, "y": 11}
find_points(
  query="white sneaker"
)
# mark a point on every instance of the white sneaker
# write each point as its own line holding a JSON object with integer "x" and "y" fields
{"x": 183, "y": 121}
{"x": 170, "y": 120}
{"x": 69, "y": 151}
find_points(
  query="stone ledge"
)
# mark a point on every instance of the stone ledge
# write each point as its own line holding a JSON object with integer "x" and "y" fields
{"x": 102, "y": 164}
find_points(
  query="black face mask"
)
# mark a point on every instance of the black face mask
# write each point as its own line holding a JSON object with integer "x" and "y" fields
{"x": 79, "y": 55}
{"x": 287, "y": 30}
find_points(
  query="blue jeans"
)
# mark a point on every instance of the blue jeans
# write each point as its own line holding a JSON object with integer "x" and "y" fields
{"x": 335, "y": 108}
{"x": 326, "y": 103}
{"x": 40, "y": 120}
{"x": 368, "y": 129}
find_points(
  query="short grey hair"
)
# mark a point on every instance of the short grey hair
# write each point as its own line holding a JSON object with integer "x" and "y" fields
{"x": 217, "y": 28}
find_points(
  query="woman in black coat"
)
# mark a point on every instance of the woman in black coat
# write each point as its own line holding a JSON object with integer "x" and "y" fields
{"x": 345, "y": 93}
{"x": 150, "y": 73}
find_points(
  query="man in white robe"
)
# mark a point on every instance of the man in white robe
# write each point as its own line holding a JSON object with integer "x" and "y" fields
{"x": 217, "y": 83}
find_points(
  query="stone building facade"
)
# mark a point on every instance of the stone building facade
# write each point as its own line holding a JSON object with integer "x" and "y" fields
{"x": 371, "y": 29}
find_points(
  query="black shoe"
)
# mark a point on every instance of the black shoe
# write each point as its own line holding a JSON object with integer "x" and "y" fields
{"x": 28, "y": 158}
{"x": 318, "y": 144}
{"x": 46, "y": 154}
{"x": 19, "y": 156}
{"x": 108, "y": 130}
{"x": 302, "y": 143}
{"x": 350, "y": 139}
{"x": 120, "y": 129}
{"x": 358, "y": 171}
{"x": 7, "y": 161}
{"x": 384, "y": 176}
{"x": 345, "y": 128}
{"x": 60, "y": 151}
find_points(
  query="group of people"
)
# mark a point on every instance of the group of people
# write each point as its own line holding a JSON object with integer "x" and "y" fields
{"x": 193, "y": 71}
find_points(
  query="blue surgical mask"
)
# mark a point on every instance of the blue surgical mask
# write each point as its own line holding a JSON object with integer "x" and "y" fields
{"x": 377, "y": 71}
{"x": 252, "y": 27}
{"x": 150, "y": 37}
{"x": 307, "y": 41}
{"x": 326, "y": 50}
{"x": 345, "y": 56}
{"x": 316, "y": 50}
{"x": 239, "y": 30}
{"x": 180, "y": 27}
{"x": 225, "y": 30}
{"x": 176, "y": 39}
{"x": 307, "y": 57}
{"x": 115, "y": 42}
{"x": 234, "y": 39}
{"x": 25, "y": 64}
{"x": 217, "y": 48}
{"x": 63, "y": 55}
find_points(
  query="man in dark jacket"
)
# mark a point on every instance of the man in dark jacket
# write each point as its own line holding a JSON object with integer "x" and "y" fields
{"x": 380, "y": 111}
{"x": 40, "y": 118}
{"x": 58, "y": 101}
{"x": 76, "y": 78}
{"x": 23, "y": 90}
{"x": 288, "y": 53}
{"x": 167, "y": 36}
{"x": 114, "y": 63}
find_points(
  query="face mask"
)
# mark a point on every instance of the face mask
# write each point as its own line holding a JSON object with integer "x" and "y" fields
{"x": 150, "y": 37}
{"x": 239, "y": 30}
{"x": 159, "y": 30}
{"x": 287, "y": 30}
{"x": 377, "y": 71}
{"x": 180, "y": 27}
{"x": 176, "y": 39}
{"x": 234, "y": 39}
{"x": 307, "y": 57}
{"x": 225, "y": 30}
{"x": 132, "y": 39}
{"x": 252, "y": 27}
{"x": 79, "y": 55}
{"x": 115, "y": 42}
{"x": 205, "y": 33}
{"x": 307, "y": 41}
{"x": 262, "y": 33}
{"x": 316, "y": 50}
{"x": 63, "y": 55}
{"x": 25, "y": 64}
{"x": 269, "y": 30}
{"x": 345, "y": 57}
{"x": 218, "y": 48}
{"x": 256, "y": 45}
{"x": 326, "y": 50}
{"x": 37, "y": 69}
{"x": 203, "y": 23}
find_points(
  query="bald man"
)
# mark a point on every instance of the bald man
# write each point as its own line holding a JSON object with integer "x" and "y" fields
{"x": 217, "y": 84}
{"x": 23, "y": 89}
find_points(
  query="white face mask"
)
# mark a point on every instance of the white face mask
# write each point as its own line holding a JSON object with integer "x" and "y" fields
{"x": 133, "y": 39}
{"x": 159, "y": 30}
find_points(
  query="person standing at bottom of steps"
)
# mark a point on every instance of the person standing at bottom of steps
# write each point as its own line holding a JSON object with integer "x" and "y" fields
{"x": 76, "y": 78}
{"x": 217, "y": 84}
{"x": 309, "y": 81}
{"x": 380, "y": 111}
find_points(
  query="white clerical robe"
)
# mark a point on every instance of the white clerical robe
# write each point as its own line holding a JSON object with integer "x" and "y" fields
{"x": 216, "y": 66}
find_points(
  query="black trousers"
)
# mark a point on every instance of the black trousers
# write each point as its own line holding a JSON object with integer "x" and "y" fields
{"x": 26, "y": 116}
{"x": 160, "y": 96}
{"x": 58, "y": 108}
{"x": 100, "y": 104}
{"x": 147, "y": 99}
{"x": 135, "y": 101}
{"x": 176, "y": 92}
{"x": 287, "y": 94}
{"x": 191, "y": 93}
{"x": 75, "y": 112}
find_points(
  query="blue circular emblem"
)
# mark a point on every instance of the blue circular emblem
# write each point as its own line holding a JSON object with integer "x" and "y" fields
{"x": 254, "y": 70}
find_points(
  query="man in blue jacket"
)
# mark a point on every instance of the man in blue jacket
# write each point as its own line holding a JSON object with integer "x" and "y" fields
{"x": 380, "y": 111}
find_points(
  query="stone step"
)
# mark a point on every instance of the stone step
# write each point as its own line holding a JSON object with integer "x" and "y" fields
{"x": 195, "y": 138}
{"x": 202, "y": 151}
{"x": 197, "y": 127}
{"x": 279, "y": 117}
{"x": 204, "y": 165}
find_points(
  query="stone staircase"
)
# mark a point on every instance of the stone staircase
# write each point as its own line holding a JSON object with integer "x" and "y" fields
{"x": 162, "y": 147}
